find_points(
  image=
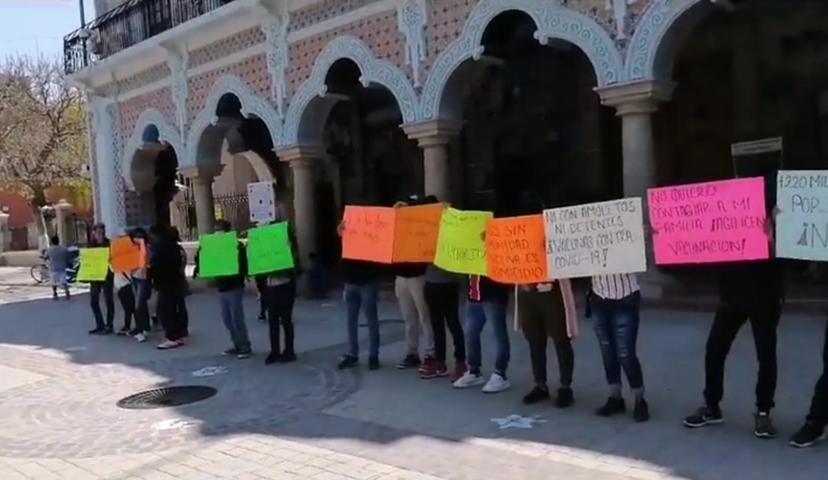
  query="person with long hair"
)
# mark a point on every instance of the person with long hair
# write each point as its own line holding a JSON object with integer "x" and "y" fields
{"x": 166, "y": 267}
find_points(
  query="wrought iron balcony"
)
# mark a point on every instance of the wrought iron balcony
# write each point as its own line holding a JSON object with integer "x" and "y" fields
{"x": 126, "y": 25}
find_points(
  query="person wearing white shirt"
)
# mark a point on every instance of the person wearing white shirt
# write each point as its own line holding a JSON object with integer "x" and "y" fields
{"x": 616, "y": 301}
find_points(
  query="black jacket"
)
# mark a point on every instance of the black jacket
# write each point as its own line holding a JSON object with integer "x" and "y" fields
{"x": 167, "y": 266}
{"x": 752, "y": 284}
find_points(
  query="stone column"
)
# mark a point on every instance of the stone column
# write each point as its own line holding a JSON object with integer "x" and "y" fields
{"x": 302, "y": 161}
{"x": 434, "y": 138}
{"x": 63, "y": 210}
{"x": 5, "y": 232}
{"x": 635, "y": 103}
{"x": 202, "y": 184}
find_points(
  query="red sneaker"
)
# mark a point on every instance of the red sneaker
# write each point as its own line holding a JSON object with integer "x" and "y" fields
{"x": 460, "y": 369}
{"x": 440, "y": 369}
{"x": 429, "y": 368}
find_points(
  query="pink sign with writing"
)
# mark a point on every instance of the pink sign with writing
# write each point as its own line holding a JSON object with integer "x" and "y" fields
{"x": 709, "y": 222}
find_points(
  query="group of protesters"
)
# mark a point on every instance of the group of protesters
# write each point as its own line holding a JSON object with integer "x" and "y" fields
{"x": 428, "y": 299}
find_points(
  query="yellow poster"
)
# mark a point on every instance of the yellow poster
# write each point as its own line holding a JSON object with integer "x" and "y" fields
{"x": 461, "y": 247}
{"x": 94, "y": 264}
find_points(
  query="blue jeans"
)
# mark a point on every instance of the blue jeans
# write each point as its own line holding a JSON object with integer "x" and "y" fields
{"x": 616, "y": 325}
{"x": 476, "y": 315}
{"x": 232, "y": 312}
{"x": 362, "y": 297}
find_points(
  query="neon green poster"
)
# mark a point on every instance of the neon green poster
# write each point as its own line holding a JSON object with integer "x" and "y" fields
{"x": 461, "y": 247}
{"x": 268, "y": 249}
{"x": 94, "y": 264}
{"x": 218, "y": 255}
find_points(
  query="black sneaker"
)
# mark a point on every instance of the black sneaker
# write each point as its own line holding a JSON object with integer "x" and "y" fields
{"x": 763, "y": 426}
{"x": 273, "y": 358}
{"x": 808, "y": 435}
{"x": 287, "y": 357}
{"x": 641, "y": 411}
{"x": 410, "y": 361}
{"x": 230, "y": 352}
{"x": 108, "y": 331}
{"x": 123, "y": 332}
{"x": 614, "y": 406}
{"x": 703, "y": 417}
{"x": 373, "y": 363}
{"x": 97, "y": 331}
{"x": 565, "y": 398}
{"x": 244, "y": 354}
{"x": 538, "y": 394}
{"x": 347, "y": 361}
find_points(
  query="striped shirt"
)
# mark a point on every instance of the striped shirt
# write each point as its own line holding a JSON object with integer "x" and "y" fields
{"x": 616, "y": 286}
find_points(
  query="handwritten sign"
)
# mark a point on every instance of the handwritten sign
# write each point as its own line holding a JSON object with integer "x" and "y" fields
{"x": 802, "y": 222}
{"x": 94, "y": 264}
{"x": 368, "y": 234}
{"x": 709, "y": 222}
{"x": 516, "y": 250}
{"x": 268, "y": 249}
{"x": 128, "y": 255}
{"x": 460, "y": 244}
{"x": 218, "y": 255}
{"x": 595, "y": 239}
{"x": 415, "y": 233}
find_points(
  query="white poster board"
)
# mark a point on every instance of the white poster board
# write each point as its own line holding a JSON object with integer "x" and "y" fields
{"x": 595, "y": 239}
{"x": 261, "y": 197}
{"x": 802, "y": 218}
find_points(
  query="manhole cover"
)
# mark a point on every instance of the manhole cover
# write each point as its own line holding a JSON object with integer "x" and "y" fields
{"x": 166, "y": 397}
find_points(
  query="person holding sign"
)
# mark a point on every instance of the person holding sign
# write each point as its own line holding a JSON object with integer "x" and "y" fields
{"x": 231, "y": 292}
{"x": 409, "y": 287}
{"x": 99, "y": 240}
{"x": 360, "y": 293}
{"x": 547, "y": 310}
{"x": 814, "y": 429}
{"x": 281, "y": 296}
{"x": 487, "y": 301}
{"x": 166, "y": 272}
{"x": 616, "y": 300}
{"x": 748, "y": 291}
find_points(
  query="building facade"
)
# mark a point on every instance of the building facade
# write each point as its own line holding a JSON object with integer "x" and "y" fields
{"x": 474, "y": 101}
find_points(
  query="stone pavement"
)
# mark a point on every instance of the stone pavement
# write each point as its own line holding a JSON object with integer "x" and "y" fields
{"x": 59, "y": 387}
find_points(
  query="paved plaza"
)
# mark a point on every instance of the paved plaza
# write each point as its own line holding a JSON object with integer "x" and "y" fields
{"x": 59, "y": 419}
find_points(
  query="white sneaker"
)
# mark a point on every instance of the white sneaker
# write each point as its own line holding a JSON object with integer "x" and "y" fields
{"x": 496, "y": 384}
{"x": 140, "y": 338}
{"x": 469, "y": 379}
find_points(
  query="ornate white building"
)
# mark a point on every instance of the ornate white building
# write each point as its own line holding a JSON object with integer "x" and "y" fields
{"x": 371, "y": 99}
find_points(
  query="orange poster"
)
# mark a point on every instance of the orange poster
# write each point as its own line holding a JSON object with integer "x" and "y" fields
{"x": 415, "y": 234}
{"x": 368, "y": 234}
{"x": 516, "y": 249}
{"x": 126, "y": 255}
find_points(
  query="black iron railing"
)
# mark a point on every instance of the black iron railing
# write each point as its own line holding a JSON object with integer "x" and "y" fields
{"x": 126, "y": 25}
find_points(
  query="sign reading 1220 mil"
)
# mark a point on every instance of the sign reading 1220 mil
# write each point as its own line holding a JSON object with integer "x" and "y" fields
{"x": 802, "y": 221}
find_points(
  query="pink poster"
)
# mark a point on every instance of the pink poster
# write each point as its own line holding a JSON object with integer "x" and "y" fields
{"x": 709, "y": 222}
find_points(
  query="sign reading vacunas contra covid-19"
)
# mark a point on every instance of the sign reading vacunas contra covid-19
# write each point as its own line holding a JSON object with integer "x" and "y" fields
{"x": 595, "y": 239}
{"x": 709, "y": 222}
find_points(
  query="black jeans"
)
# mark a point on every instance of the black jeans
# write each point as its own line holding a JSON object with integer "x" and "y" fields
{"x": 542, "y": 316}
{"x": 127, "y": 300}
{"x": 142, "y": 291}
{"x": 819, "y": 405}
{"x": 280, "y": 299}
{"x": 95, "y": 302}
{"x": 764, "y": 320}
{"x": 169, "y": 300}
{"x": 443, "y": 308}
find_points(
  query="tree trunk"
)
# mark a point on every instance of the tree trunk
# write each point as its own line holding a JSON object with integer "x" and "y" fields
{"x": 45, "y": 228}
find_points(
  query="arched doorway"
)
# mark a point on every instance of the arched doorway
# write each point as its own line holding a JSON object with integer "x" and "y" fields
{"x": 531, "y": 121}
{"x": 367, "y": 157}
{"x": 238, "y": 149}
{"x": 152, "y": 174}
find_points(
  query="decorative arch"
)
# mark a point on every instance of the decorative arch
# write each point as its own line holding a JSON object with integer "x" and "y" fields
{"x": 553, "y": 21}
{"x": 373, "y": 70}
{"x": 251, "y": 104}
{"x": 659, "y": 35}
{"x": 166, "y": 134}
